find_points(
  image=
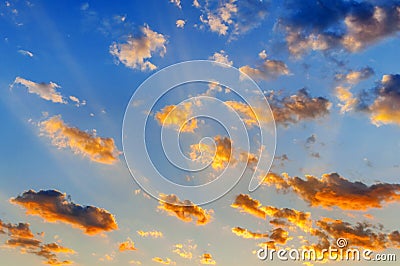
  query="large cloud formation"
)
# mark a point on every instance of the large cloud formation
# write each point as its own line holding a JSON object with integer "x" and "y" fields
{"x": 184, "y": 210}
{"x": 137, "y": 51}
{"x": 47, "y": 91}
{"x": 98, "y": 149}
{"x": 54, "y": 206}
{"x": 333, "y": 190}
{"x": 20, "y": 236}
{"x": 352, "y": 25}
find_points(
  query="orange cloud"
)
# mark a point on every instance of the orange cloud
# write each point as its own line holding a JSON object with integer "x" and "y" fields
{"x": 167, "y": 261}
{"x": 20, "y": 236}
{"x": 128, "y": 245}
{"x": 332, "y": 190}
{"x": 280, "y": 216}
{"x": 207, "y": 259}
{"x": 242, "y": 232}
{"x": 178, "y": 117}
{"x": 249, "y": 205}
{"x": 97, "y": 149}
{"x": 360, "y": 235}
{"x": 54, "y": 206}
{"x": 294, "y": 217}
{"x": 220, "y": 155}
{"x": 184, "y": 210}
{"x": 279, "y": 236}
{"x": 184, "y": 251}
{"x": 153, "y": 234}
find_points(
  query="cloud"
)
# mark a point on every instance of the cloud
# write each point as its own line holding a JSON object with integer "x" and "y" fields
{"x": 332, "y": 190}
{"x": 180, "y": 23}
{"x": 242, "y": 232}
{"x": 221, "y": 57}
{"x": 360, "y": 235}
{"x": 20, "y": 236}
{"x": 287, "y": 110}
{"x": 352, "y": 25}
{"x": 184, "y": 210}
{"x": 77, "y": 101}
{"x": 355, "y": 76}
{"x": 46, "y": 91}
{"x": 298, "y": 107}
{"x": 288, "y": 217}
{"x": 279, "y": 216}
{"x": 347, "y": 100}
{"x": 176, "y": 2}
{"x": 137, "y": 51}
{"x": 152, "y": 234}
{"x": 245, "y": 111}
{"x": 26, "y": 53}
{"x": 385, "y": 108}
{"x": 166, "y": 261}
{"x": 184, "y": 251}
{"x": 268, "y": 70}
{"x": 220, "y": 154}
{"x": 97, "y": 149}
{"x": 311, "y": 139}
{"x": 231, "y": 17}
{"x": 248, "y": 205}
{"x": 127, "y": 245}
{"x": 207, "y": 259}
{"x": 54, "y": 206}
{"x": 177, "y": 117}
{"x": 279, "y": 236}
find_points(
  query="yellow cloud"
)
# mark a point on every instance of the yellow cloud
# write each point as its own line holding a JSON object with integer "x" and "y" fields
{"x": 153, "y": 234}
{"x": 220, "y": 154}
{"x": 177, "y": 117}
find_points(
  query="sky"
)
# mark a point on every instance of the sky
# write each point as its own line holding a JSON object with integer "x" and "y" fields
{"x": 93, "y": 134}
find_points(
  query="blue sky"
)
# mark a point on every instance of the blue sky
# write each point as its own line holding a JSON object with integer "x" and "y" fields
{"x": 329, "y": 70}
